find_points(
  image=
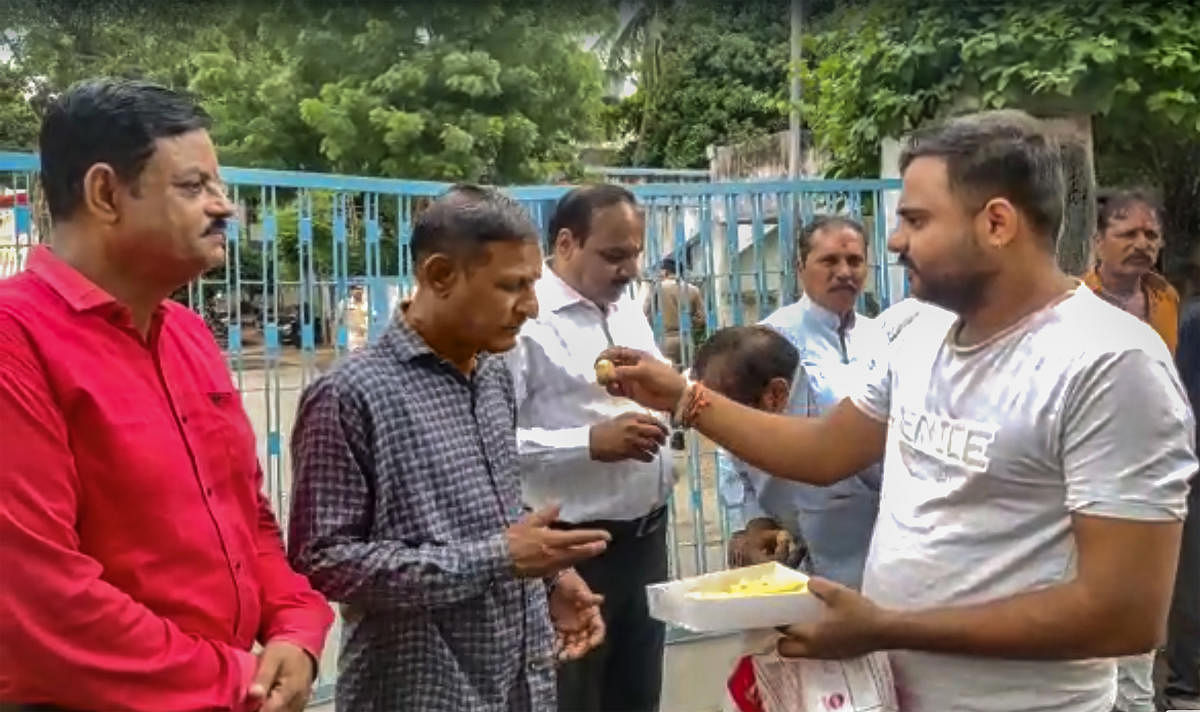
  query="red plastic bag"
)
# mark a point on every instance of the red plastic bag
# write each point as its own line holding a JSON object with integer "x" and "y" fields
{"x": 743, "y": 686}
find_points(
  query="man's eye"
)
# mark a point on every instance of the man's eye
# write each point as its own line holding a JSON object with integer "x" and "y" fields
{"x": 192, "y": 187}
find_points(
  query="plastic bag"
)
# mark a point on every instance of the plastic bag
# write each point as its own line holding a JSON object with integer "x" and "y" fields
{"x": 765, "y": 682}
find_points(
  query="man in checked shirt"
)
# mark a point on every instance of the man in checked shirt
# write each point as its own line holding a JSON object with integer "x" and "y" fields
{"x": 407, "y": 506}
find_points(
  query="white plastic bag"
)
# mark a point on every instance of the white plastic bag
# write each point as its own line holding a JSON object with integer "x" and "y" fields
{"x": 863, "y": 684}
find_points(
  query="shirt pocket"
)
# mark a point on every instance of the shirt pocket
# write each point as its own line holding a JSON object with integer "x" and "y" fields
{"x": 218, "y": 422}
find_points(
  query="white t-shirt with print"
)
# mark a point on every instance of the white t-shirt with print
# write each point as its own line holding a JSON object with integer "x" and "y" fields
{"x": 990, "y": 449}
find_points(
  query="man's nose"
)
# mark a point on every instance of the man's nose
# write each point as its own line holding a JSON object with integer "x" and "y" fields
{"x": 221, "y": 206}
{"x": 842, "y": 271}
{"x": 528, "y": 307}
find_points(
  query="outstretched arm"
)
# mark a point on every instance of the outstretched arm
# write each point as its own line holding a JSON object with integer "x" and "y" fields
{"x": 817, "y": 451}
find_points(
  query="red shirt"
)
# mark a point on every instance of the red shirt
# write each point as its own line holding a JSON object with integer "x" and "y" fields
{"x": 140, "y": 559}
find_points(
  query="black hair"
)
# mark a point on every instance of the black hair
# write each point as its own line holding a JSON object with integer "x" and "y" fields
{"x": 825, "y": 222}
{"x": 1113, "y": 202}
{"x": 999, "y": 154}
{"x": 751, "y": 357}
{"x": 461, "y": 221}
{"x": 668, "y": 265}
{"x": 113, "y": 121}
{"x": 575, "y": 209}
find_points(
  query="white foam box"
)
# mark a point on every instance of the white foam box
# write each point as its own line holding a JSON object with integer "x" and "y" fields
{"x": 670, "y": 602}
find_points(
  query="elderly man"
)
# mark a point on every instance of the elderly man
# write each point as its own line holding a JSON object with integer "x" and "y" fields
{"x": 1014, "y": 516}
{"x": 142, "y": 560}
{"x": 837, "y": 348}
{"x": 1127, "y": 243}
{"x": 407, "y": 507}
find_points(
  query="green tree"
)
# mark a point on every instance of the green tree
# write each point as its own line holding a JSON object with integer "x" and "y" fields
{"x": 721, "y": 78}
{"x": 485, "y": 91}
{"x": 635, "y": 47}
{"x": 885, "y": 67}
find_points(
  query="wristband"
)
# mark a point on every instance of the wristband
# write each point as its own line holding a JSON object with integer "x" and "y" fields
{"x": 681, "y": 405}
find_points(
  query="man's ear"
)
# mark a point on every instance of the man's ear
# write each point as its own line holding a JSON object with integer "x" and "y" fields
{"x": 439, "y": 272}
{"x": 1001, "y": 221}
{"x": 776, "y": 395}
{"x": 100, "y": 186}
{"x": 563, "y": 242}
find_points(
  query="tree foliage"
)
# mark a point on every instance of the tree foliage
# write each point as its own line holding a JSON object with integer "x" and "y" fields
{"x": 721, "y": 77}
{"x": 888, "y": 66}
{"x": 488, "y": 91}
{"x": 885, "y": 67}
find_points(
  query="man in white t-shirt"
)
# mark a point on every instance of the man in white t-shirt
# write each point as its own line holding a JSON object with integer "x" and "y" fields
{"x": 1036, "y": 449}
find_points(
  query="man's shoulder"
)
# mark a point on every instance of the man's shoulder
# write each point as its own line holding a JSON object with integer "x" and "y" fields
{"x": 1089, "y": 331}
{"x": 26, "y": 295}
{"x": 912, "y": 312}
{"x": 1163, "y": 289}
{"x": 786, "y": 316}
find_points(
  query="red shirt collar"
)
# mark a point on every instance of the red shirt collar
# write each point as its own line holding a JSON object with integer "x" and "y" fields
{"x": 77, "y": 290}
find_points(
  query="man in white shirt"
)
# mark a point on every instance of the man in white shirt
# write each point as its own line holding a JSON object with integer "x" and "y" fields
{"x": 836, "y": 347}
{"x": 1035, "y": 463}
{"x": 595, "y": 454}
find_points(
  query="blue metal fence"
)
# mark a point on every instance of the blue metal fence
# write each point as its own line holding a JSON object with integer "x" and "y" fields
{"x": 316, "y": 263}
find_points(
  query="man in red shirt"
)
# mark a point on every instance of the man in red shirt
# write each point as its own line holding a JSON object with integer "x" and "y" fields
{"x": 141, "y": 560}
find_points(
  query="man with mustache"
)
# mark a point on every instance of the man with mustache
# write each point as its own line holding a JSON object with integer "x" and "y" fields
{"x": 407, "y": 507}
{"x": 1036, "y": 450}
{"x": 141, "y": 560}
{"x": 1127, "y": 242}
{"x": 596, "y": 455}
{"x": 837, "y": 347}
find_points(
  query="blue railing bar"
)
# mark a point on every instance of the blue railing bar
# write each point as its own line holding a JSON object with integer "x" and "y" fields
{"x": 15, "y": 161}
{"x": 632, "y": 172}
{"x": 643, "y": 190}
{"x": 334, "y": 181}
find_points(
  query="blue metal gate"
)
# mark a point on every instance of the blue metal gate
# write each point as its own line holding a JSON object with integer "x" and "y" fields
{"x": 317, "y": 262}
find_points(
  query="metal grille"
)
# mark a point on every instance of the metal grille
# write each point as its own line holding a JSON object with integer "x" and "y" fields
{"x": 316, "y": 263}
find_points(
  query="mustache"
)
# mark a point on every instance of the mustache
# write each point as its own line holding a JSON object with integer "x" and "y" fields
{"x": 904, "y": 261}
{"x": 216, "y": 226}
{"x": 843, "y": 287}
{"x": 1140, "y": 257}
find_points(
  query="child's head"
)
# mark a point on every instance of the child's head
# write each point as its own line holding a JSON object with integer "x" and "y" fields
{"x": 752, "y": 365}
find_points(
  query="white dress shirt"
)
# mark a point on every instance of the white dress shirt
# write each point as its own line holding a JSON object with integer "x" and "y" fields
{"x": 558, "y": 401}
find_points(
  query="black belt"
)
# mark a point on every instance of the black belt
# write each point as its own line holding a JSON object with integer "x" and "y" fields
{"x": 636, "y": 528}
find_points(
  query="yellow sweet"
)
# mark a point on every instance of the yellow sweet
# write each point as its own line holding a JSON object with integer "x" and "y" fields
{"x": 605, "y": 371}
{"x": 762, "y": 586}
